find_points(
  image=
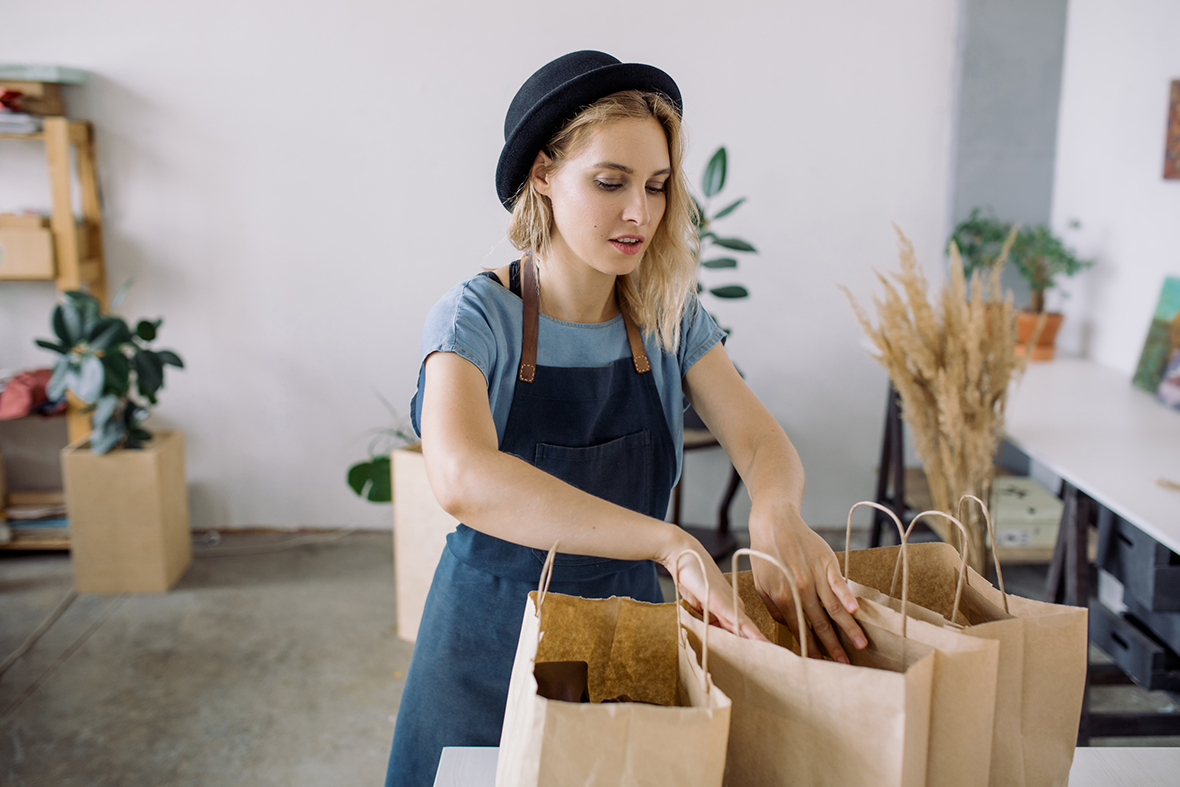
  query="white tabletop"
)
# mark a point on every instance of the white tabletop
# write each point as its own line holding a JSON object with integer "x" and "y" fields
{"x": 1088, "y": 424}
{"x": 1092, "y": 767}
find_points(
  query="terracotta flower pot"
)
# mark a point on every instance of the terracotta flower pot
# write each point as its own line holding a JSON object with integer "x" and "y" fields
{"x": 1026, "y": 326}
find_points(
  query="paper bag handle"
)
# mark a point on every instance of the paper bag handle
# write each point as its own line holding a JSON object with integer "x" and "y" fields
{"x": 705, "y": 638}
{"x": 546, "y": 576}
{"x": 904, "y": 535}
{"x": 991, "y": 534}
{"x": 962, "y": 565}
{"x": 790, "y": 579}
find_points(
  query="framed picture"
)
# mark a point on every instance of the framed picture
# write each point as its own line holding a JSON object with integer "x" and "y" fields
{"x": 1172, "y": 151}
{"x": 1163, "y": 338}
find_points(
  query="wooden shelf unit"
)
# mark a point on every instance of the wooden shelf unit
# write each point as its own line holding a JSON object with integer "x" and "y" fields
{"x": 72, "y": 272}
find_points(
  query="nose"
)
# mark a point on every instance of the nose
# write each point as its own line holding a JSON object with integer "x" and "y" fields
{"x": 636, "y": 210}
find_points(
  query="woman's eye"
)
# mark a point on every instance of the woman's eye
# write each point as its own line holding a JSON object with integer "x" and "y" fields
{"x": 607, "y": 186}
{"x": 656, "y": 188}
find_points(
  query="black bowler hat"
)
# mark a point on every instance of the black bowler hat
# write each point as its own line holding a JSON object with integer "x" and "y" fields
{"x": 554, "y": 95}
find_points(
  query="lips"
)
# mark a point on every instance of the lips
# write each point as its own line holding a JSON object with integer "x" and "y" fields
{"x": 628, "y": 244}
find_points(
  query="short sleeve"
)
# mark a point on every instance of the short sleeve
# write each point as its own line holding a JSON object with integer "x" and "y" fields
{"x": 469, "y": 320}
{"x": 698, "y": 334}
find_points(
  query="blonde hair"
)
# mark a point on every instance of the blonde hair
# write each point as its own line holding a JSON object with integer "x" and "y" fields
{"x": 656, "y": 293}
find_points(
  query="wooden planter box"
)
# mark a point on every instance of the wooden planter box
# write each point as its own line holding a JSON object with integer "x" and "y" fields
{"x": 420, "y": 528}
{"x": 129, "y": 521}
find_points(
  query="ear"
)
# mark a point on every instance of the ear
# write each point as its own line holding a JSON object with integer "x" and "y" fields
{"x": 540, "y": 172}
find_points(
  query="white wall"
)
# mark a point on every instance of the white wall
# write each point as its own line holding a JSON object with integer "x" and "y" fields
{"x": 1119, "y": 61}
{"x": 292, "y": 184}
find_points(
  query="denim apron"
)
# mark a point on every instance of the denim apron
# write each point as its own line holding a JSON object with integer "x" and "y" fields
{"x": 600, "y": 429}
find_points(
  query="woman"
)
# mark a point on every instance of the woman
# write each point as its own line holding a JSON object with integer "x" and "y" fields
{"x": 550, "y": 405}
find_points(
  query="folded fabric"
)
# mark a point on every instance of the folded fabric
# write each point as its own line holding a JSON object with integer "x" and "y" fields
{"x": 25, "y": 394}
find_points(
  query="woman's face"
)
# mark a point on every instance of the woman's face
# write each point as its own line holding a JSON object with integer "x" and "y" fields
{"x": 608, "y": 198}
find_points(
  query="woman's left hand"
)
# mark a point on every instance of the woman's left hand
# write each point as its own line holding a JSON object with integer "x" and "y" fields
{"x": 780, "y": 531}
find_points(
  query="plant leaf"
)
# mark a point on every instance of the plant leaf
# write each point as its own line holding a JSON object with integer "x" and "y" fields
{"x": 170, "y": 358}
{"x": 720, "y": 262}
{"x": 71, "y": 323}
{"x": 730, "y": 291}
{"x": 90, "y": 379}
{"x": 118, "y": 370}
{"x": 109, "y": 332}
{"x": 358, "y": 477}
{"x": 381, "y": 474}
{"x": 117, "y": 300}
{"x": 147, "y": 329}
{"x": 56, "y": 389}
{"x": 714, "y": 178}
{"x": 104, "y": 410}
{"x": 149, "y": 374}
{"x": 61, "y": 328}
{"x": 737, "y": 244}
{"x": 104, "y": 439}
{"x": 728, "y": 209}
{"x": 48, "y": 345}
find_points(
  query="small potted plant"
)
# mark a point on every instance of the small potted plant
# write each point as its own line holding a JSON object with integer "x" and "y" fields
{"x": 125, "y": 488}
{"x": 1038, "y": 255}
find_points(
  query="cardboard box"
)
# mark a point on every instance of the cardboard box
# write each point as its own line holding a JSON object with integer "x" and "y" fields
{"x": 26, "y": 247}
{"x": 129, "y": 518}
{"x": 1024, "y": 513}
{"x": 420, "y": 528}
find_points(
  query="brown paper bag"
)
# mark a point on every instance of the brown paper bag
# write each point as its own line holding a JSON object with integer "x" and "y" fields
{"x": 1042, "y": 657}
{"x": 802, "y": 721}
{"x": 653, "y": 715}
{"x": 963, "y": 696}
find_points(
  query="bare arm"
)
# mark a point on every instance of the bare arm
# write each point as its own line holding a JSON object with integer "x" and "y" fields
{"x": 503, "y": 496}
{"x": 770, "y": 467}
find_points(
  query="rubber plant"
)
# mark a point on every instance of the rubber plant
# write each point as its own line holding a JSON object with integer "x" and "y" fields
{"x": 1037, "y": 254}
{"x": 372, "y": 479}
{"x": 712, "y": 183}
{"x": 110, "y": 367}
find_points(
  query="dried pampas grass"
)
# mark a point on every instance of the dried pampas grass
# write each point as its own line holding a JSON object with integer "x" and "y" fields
{"x": 952, "y": 366}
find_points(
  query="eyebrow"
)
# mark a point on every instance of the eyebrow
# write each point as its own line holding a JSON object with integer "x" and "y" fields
{"x": 628, "y": 170}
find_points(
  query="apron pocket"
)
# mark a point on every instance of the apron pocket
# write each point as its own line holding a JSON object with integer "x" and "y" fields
{"x": 619, "y": 471}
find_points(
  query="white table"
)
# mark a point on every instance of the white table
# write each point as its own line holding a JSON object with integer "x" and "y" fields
{"x": 1088, "y": 424}
{"x": 1109, "y": 442}
{"x": 1092, "y": 767}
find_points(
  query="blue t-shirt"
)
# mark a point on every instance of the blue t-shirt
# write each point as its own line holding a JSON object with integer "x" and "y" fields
{"x": 481, "y": 320}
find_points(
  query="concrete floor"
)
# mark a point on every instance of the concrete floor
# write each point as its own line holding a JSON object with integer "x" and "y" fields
{"x": 271, "y": 668}
{"x": 278, "y": 668}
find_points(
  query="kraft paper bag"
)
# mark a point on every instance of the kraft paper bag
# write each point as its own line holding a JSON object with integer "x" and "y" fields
{"x": 963, "y": 694}
{"x": 963, "y": 697}
{"x": 653, "y": 715}
{"x": 802, "y": 721}
{"x": 1042, "y": 656}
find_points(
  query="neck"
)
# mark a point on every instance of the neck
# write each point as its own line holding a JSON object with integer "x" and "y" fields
{"x": 576, "y": 293}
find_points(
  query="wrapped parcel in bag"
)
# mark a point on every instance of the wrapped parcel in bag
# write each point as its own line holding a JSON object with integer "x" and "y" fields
{"x": 651, "y": 715}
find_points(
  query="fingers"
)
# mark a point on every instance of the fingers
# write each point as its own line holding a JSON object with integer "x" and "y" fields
{"x": 840, "y": 587}
{"x": 791, "y": 621}
{"x": 840, "y": 603}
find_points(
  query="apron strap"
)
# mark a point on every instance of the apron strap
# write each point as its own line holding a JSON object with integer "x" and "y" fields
{"x": 531, "y": 295}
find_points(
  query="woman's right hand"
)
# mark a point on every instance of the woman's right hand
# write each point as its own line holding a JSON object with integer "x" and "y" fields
{"x": 686, "y": 572}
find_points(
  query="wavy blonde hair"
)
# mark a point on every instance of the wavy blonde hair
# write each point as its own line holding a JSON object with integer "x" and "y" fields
{"x": 656, "y": 293}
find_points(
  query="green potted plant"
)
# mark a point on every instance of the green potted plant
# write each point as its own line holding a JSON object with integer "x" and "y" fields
{"x": 712, "y": 182}
{"x": 125, "y": 489}
{"x": 1039, "y": 256}
{"x": 372, "y": 479}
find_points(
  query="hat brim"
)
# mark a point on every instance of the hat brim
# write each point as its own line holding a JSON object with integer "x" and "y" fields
{"x": 546, "y": 117}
